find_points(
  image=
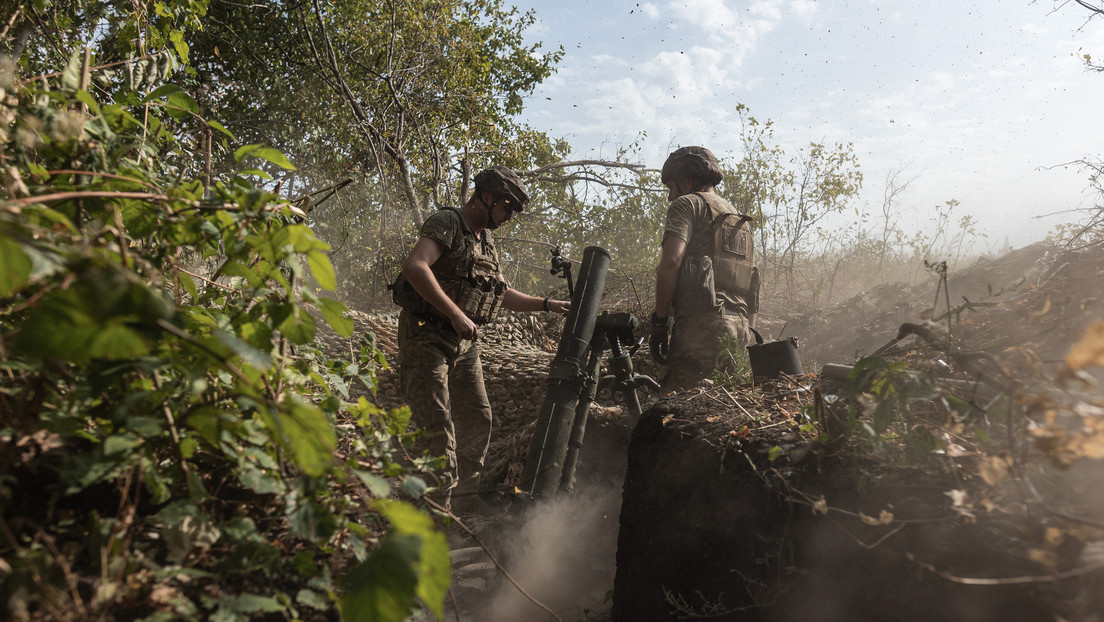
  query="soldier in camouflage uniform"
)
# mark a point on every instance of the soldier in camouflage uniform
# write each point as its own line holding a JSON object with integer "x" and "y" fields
{"x": 706, "y": 281}
{"x": 450, "y": 284}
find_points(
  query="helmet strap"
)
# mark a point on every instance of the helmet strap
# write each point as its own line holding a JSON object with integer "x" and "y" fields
{"x": 491, "y": 224}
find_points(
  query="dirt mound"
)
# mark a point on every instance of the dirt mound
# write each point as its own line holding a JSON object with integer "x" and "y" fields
{"x": 860, "y": 325}
{"x": 955, "y": 476}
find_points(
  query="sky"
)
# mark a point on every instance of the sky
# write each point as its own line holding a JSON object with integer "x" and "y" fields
{"x": 978, "y": 102}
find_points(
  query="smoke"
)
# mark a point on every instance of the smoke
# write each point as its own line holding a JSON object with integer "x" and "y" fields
{"x": 563, "y": 554}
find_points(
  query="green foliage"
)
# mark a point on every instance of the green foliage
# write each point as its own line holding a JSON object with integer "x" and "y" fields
{"x": 169, "y": 444}
{"x": 412, "y": 561}
{"x": 901, "y": 408}
{"x": 733, "y": 368}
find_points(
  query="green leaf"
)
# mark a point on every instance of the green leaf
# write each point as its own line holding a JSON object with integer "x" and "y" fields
{"x": 322, "y": 269}
{"x": 265, "y": 153}
{"x": 306, "y": 432}
{"x": 434, "y": 565}
{"x": 218, "y": 126}
{"x": 164, "y": 90}
{"x": 179, "y": 45}
{"x": 59, "y": 327}
{"x": 383, "y": 587}
{"x": 255, "y": 171}
{"x": 120, "y": 443}
{"x": 301, "y": 238}
{"x": 233, "y": 267}
{"x": 115, "y": 341}
{"x": 413, "y": 486}
{"x": 312, "y": 599}
{"x": 70, "y": 78}
{"x": 333, "y": 312}
{"x": 299, "y": 326}
{"x": 377, "y": 486}
{"x": 15, "y": 267}
{"x": 86, "y": 98}
{"x": 188, "y": 283}
{"x": 178, "y": 102}
{"x": 182, "y": 101}
{"x": 248, "y": 353}
{"x": 253, "y": 603}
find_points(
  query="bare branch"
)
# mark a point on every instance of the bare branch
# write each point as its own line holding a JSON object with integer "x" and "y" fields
{"x": 566, "y": 164}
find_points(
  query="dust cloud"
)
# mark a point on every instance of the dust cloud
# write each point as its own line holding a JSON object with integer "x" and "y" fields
{"x": 563, "y": 554}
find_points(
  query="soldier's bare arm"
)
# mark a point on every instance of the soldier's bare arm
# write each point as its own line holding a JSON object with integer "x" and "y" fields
{"x": 674, "y": 248}
{"x": 517, "y": 301}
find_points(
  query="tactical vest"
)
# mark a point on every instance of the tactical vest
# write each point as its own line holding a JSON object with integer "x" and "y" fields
{"x": 726, "y": 275}
{"x": 471, "y": 282}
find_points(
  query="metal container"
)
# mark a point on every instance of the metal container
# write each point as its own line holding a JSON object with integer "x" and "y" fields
{"x": 774, "y": 358}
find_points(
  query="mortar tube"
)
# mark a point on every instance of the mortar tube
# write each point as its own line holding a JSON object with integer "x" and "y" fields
{"x": 582, "y": 413}
{"x": 548, "y": 450}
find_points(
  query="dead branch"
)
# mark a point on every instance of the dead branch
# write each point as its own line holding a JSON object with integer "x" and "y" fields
{"x": 566, "y": 164}
{"x": 374, "y": 134}
{"x": 1058, "y": 576}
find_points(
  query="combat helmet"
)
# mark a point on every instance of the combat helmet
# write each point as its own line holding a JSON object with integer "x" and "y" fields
{"x": 696, "y": 162}
{"x": 501, "y": 181}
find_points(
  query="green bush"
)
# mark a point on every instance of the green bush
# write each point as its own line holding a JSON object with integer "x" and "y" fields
{"x": 169, "y": 443}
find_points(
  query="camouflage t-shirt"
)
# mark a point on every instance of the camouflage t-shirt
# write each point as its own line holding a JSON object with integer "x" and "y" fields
{"x": 689, "y": 219}
{"x": 450, "y": 229}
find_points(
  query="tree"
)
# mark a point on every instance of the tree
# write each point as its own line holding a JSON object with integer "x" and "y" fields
{"x": 788, "y": 198}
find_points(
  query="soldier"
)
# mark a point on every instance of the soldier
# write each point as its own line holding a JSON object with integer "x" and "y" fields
{"x": 449, "y": 286}
{"x": 706, "y": 278}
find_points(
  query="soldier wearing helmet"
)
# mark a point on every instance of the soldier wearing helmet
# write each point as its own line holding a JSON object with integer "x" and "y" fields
{"x": 706, "y": 282}
{"x": 449, "y": 286}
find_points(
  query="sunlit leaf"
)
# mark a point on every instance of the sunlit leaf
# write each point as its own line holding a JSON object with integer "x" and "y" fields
{"x": 71, "y": 77}
{"x": 304, "y": 429}
{"x": 218, "y": 126}
{"x": 322, "y": 269}
{"x": 86, "y": 98}
{"x": 333, "y": 312}
{"x": 265, "y": 153}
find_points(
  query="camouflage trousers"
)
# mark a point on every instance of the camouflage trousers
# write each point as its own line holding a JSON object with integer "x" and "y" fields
{"x": 441, "y": 379}
{"x": 695, "y": 346}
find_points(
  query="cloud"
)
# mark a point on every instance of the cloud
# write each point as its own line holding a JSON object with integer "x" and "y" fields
{"x": 804, "y": 8}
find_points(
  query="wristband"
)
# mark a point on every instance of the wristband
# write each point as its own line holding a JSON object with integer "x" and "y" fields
{"x": 544, "y": 304}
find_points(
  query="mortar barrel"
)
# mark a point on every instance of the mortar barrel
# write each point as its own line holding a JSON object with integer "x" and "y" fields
{"x": 548, "y": 451}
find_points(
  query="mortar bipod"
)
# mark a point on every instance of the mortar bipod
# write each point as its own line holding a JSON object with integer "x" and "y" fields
{"x": 619, "y": 331}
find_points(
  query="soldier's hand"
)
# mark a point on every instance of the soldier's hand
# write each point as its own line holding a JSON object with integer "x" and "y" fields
{"x": 658, "y": 341}
{"x": 559, "y": 306}
{"x": 464, "y": 327}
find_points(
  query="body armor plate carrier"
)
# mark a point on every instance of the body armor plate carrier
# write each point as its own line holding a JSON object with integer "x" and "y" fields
{"x": 726, "y": 276}
{"x": 474, "y": 286}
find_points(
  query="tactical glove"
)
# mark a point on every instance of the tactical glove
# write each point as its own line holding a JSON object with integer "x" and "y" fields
{"x": 658, "y": 340}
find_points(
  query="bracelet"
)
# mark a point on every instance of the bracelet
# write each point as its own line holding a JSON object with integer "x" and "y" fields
{"x": 545, "y": 304}
{"x": 658, "y": 321}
